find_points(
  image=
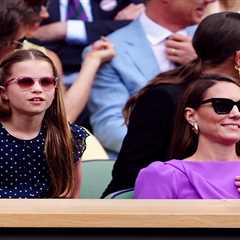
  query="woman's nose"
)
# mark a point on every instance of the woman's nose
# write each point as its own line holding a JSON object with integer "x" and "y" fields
{"x": 235, "y": 111}
{"x": 44, "y": 12}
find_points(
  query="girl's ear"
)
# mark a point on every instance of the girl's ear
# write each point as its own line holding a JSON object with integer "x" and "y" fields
{"x": 190, "y": 116}
{"x": 3, "y": 93}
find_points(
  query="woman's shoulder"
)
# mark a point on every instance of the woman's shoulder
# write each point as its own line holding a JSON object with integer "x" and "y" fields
{"x": 165, "y": 168}
{"x": 159, "y": 180}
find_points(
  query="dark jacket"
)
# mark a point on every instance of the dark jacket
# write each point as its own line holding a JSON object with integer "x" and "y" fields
{"x": 148, "y": 137}
{"x": 102, "y": 25}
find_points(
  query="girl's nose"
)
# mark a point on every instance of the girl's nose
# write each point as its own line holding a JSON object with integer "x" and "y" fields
{"x": 37, "y": 87}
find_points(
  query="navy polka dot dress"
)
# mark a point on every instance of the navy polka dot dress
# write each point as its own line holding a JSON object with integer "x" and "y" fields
{"x": 23, "y": 167}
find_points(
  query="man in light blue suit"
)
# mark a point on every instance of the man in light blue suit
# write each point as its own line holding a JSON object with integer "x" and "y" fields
{"x": 153, "y": 43}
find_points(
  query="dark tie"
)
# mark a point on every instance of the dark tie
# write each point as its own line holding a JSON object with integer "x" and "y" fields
{"x": 75, "y": 10}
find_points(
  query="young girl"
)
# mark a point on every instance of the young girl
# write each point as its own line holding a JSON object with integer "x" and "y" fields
{"x": 39, "y": 150}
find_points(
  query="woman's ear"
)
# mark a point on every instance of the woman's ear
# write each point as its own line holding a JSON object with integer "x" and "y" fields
{"x": 190, "y": 116}
{"x": 237, "y": 62}
{"x": 237, "y": 58}
{"x": 3, "y": 93}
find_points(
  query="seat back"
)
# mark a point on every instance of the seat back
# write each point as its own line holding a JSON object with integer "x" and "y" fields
{"x": 96, "y": 174}
{"x": 94, "y": 149}
{"x": 122, "y": 194}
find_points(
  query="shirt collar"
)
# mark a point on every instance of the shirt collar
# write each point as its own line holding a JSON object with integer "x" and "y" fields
{"x": 154, "y": 32}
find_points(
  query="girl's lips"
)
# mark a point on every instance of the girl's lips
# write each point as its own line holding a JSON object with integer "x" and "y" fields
{"x": 36, "y": 99}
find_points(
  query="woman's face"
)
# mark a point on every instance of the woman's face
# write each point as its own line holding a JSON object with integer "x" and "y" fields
{"x": 42, "y": 14}
{"x": 221, "y": 128}
{"x": 13, "y": 44}
{"x": 32, "y": 99}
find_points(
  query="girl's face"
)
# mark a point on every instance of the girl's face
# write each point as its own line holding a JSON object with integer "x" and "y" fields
{"x": 26, "y": 97}
{"x": 218, "y": 122}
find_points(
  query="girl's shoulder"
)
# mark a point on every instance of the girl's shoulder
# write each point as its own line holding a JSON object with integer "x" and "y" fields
{"x": 79, "y": 140}
{"x": 79, "y": 131}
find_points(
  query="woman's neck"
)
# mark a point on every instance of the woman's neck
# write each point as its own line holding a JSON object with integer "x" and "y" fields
{"x": 24, "y": 127}
{"x": 209, "y": 151}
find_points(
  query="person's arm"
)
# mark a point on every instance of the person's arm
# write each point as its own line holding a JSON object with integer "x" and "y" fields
{"x": 77, "y": 95}
{"x": 87, "y": 32}
{"x": 147, "y": 138}
{"x": 108, "y": 97}
{"x": 155, "y": 182}
{"x": 51, "y": 32}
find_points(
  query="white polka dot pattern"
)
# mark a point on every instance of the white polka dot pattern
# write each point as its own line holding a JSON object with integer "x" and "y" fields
{"x": 23, "y": 167}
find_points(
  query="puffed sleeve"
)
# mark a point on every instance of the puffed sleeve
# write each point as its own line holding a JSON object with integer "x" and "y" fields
{"x": 79, "y": 140}
{"x": 155, "y": 182}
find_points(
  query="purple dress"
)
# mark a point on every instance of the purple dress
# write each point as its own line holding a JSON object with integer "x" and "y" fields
{"x": 179, "y": 179}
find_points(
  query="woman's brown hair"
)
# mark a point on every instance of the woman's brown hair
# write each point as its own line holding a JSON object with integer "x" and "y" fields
{"x": 14, "y": 15}
{"x": 59, "y": 139}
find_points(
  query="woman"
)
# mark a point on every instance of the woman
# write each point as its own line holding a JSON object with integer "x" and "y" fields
{"x": 150, "y": 124}
{"x": 40, "y": 152}
{"x": 207, "y": 137}
{"x": 15, "y": 19}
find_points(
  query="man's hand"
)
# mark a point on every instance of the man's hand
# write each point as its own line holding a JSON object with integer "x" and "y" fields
{"x": 131, "y": 12}
{"x": 101, "y": 51}
{"x": 237, "y": 183}
{"x": 179, "y": 49}
{"x": 51, "y": 32}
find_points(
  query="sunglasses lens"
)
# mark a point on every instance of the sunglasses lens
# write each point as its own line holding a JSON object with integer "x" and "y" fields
{"x": 25, "y": 82}
{"x": 223, "y": 106}
{"x": 47, "y": 82}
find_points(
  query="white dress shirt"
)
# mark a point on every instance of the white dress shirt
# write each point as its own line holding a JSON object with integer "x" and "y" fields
{"x": 157, "y": 36}
{"x": 76, "y": 31}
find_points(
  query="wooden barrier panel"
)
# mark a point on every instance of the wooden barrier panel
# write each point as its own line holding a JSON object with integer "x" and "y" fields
{"x": 120, "y": 213}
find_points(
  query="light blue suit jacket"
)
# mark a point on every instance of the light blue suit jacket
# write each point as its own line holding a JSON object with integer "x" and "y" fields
{"x": 132, "y": 68}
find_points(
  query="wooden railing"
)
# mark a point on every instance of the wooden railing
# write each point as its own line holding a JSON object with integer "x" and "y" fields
{"x": 120, "y": 213}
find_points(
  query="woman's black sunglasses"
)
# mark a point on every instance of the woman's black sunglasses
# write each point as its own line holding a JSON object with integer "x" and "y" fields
{"x": 222, "y": 105}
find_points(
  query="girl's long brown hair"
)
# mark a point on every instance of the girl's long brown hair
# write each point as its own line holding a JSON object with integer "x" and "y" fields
{"x": 59, "y": 139}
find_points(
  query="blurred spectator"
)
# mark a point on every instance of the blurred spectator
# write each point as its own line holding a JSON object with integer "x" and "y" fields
{"x": 15, "y": 19}
{"x": 153, "y": 43}
{"x": 68, "y": 35}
